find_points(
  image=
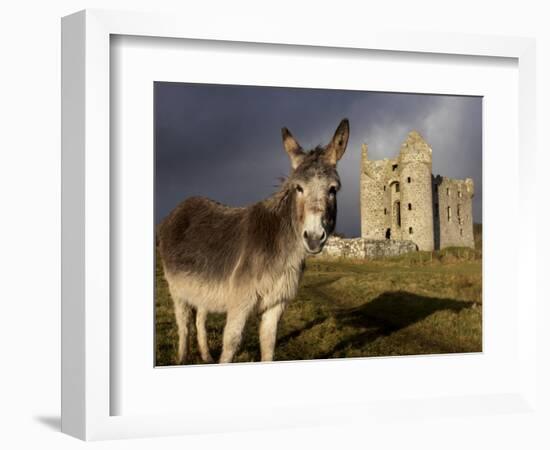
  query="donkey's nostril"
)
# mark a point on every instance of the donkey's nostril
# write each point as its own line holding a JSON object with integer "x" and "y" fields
{"x": 323, "y": 236}
{"x": 305, "y": 234}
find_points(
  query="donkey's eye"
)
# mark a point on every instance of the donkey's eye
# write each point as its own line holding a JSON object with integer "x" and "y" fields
{"x": 299, "y": 188}
{"x": 332, "y": 191}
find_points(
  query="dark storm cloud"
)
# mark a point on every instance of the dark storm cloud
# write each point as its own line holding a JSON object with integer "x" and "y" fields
{"x": 224, "y": 142}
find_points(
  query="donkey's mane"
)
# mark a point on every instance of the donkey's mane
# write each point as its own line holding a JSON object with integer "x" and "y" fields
{"x": 310, "y": 156}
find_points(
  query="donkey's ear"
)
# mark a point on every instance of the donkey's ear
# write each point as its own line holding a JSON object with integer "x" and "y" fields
{"x": 339, "y": 142}
{"x": 292, "y": 148}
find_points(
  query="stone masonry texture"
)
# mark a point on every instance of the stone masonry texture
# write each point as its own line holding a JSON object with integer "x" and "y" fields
{"x": 361, "y": 248}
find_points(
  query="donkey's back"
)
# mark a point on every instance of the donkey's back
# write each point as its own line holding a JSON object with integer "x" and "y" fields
{"x": 201, "y": 238}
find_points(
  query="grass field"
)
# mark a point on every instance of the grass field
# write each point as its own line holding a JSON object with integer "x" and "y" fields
{"x": 420, "y": 303}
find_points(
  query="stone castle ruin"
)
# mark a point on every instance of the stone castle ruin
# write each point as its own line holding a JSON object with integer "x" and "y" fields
{"x": 402, "y": 200}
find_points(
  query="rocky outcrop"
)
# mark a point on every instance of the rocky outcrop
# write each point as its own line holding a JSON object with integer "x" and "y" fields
{"x": 366, "y": 248}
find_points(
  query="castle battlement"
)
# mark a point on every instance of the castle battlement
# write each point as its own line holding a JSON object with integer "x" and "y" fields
{"x": 401, "y": 199}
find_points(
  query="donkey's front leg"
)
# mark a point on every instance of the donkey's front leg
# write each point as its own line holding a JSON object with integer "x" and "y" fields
{"x": 268, "y": 331}
{"x": 232, "y": 334}
{"x": 202, "y": 338}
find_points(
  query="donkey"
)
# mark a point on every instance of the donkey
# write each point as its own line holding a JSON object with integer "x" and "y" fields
{"x": 242, "y": 260}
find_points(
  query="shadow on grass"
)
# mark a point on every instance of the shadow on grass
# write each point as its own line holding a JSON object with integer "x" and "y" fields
{"x": 296, "y": 333}
{"x": 388, "y": 313}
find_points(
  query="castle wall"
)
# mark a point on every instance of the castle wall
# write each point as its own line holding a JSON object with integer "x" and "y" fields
{"x": 454, "y": 200}
{"x": 361, "y": 248}
{"x": 373, "y": 198}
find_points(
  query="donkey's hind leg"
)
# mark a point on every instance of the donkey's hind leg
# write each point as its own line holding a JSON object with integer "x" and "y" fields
{"x": 182, "y": 311}
{"x": 202, "y": 337}
{"x": 268, "y": 330}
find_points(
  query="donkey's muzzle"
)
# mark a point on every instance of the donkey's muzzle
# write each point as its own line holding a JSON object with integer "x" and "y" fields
{"x": 314, "y": 241}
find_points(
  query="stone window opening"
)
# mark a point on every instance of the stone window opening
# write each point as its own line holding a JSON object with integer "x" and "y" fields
{"x": 385, "y": 211}
{"x": 396, "y": 187}
{"x": 461, "y": 233}
{"x": 410, "y": 207}
{"x": 388, "y": 233}
{"x": 408, "y": 179}
{"x": 448, "y": 213}
{"x": 397, "y": 213}
{"x": 394, "y": 167}
{"x": 384, "y": 187}
{"x": 411, "y": 230}
{"x": 460, "y": 194}
{"x": 448, "y": 192}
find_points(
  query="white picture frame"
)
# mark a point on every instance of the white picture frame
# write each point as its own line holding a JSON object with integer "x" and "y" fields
{"x": 86, "y": 221}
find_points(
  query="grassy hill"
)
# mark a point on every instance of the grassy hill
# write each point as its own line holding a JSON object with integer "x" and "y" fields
{"x": 420, "y": 303}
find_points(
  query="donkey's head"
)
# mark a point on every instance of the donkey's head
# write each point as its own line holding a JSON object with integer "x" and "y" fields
{"x": 314, "y": 182}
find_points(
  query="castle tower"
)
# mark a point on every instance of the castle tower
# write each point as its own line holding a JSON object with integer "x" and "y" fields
{"x": 415, "y": 160}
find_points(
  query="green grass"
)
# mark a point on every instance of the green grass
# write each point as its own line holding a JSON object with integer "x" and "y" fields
{"x": 419, "y": 303}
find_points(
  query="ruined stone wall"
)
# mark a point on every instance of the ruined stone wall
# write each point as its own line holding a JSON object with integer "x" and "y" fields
{"x": 373, "y": 198}
{"x": 454, "y": 203}
{"x": 361, "y": 248}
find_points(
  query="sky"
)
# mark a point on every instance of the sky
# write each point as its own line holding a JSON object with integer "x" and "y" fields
{"x": 224, "y": 141}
